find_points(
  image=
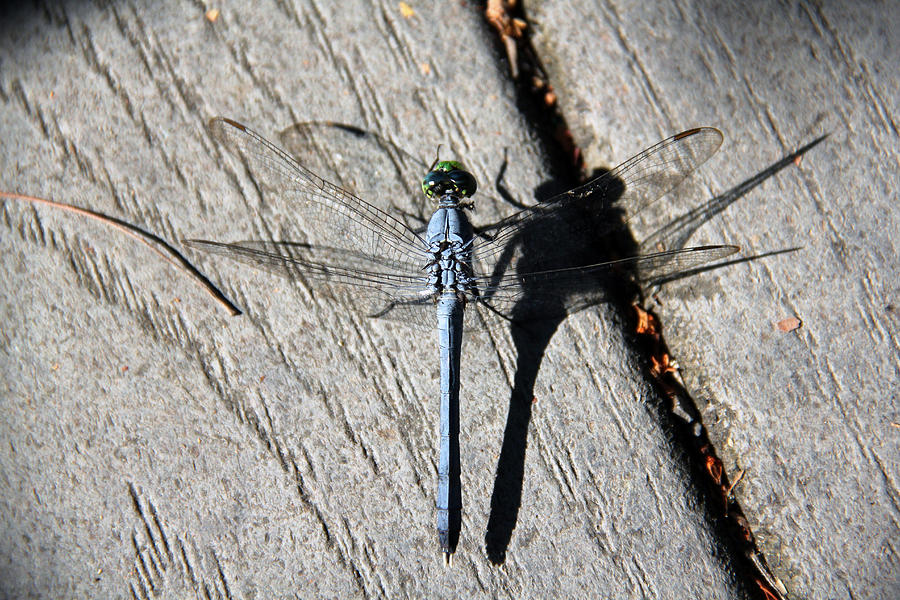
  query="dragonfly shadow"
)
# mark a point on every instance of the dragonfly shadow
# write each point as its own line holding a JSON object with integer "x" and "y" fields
{"x": 532, "y": 336}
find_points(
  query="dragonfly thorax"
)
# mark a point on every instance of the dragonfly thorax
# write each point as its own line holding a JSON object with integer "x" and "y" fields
{"x": 449, "y": 238}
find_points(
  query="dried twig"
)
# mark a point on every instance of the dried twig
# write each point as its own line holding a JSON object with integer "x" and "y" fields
{"x": 160, "y": 246}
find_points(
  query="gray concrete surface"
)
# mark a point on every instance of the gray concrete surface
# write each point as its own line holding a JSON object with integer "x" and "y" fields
{"x": 153, "y": 446}
{"x": 809, "y": 416}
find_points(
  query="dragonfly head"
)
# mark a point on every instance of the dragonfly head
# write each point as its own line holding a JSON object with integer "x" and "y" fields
{"x": 448, "y": 178}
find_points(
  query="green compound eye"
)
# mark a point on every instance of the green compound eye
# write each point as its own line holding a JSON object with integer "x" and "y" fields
{"x": 449, "y": 177}
{"x": 448, "y": 165}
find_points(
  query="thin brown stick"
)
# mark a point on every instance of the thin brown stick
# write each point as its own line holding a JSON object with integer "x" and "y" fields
{"x": 160, "y": 246}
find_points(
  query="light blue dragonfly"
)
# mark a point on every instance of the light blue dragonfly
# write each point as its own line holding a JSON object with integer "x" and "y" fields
{"x": 525, "y": 267}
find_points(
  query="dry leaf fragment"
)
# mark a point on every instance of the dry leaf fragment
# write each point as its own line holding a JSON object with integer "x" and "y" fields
{"x": 789, "y": 324}
{"x": 646, "y": 322}
{"x": 510, "y": 29}
{"x": 661, "y": 365}
{"x": 714, "y": 467}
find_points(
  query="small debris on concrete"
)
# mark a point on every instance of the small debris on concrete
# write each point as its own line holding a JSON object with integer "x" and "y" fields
{"x": 789, "y": 324}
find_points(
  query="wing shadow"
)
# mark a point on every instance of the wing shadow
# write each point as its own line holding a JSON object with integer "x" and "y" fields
{"x": 531, "y": 337}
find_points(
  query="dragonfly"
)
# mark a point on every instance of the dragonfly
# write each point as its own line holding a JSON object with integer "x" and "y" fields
{"x": 521, "y": 268}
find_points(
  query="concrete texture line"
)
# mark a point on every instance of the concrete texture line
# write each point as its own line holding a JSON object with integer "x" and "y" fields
{"x": 153, "y": 553}
{"x": 648, "y": 88}
{"x": 855, "y": 66}
{"x": 346, "y": 554}
{"x": 401, "y": 46}
{"x": 167, "y": 559}
{"x": 562, "y": 477}
{"x": 187, "y": 565}
{"x": 572, "y": 463}
{"x": 31, "y": 229}
{"x": 134, "y": 593}
{"x": 92, "y": 56}
{"x": 612, "y": 407}
{"x": 889, "y": 483}
{"x": 18, "y": 91}
{"x": 644, "y": 583}
{"x": 221, "y": 579}
{"x": 71, "y": 151}
{"x": 144, "y": 581}
{"x": 140, "y": 42}
{"x": 377, "y": 113}
{"x": 343, "y": 67}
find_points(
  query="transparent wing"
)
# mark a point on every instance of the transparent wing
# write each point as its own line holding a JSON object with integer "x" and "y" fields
{"x": 374, "y": 286}
{"x": 543, "y": 262}
{"x": 358, "y": 160}
{"x": 559, "y": 292}
{"x": 334, "y": 217}
{"x": 360, "y": 252}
